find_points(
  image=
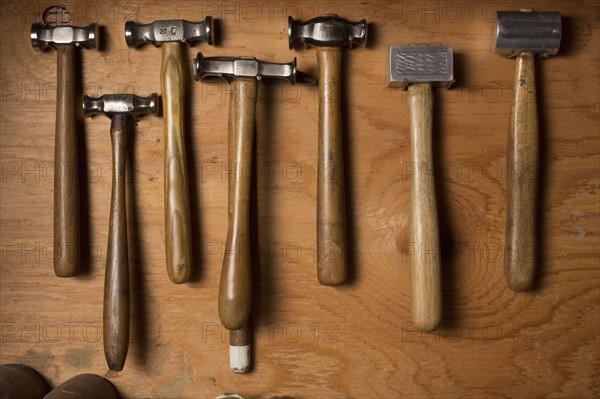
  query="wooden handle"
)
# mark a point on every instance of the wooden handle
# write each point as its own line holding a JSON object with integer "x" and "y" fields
{"x": 66, "y": 169}
{"x": 331, "y": 208}
{"x": 21, "y": 382}
{"x": 235, "y": 290}
{"x": 116, "y": 282}
{"x": 522, "y": 177}
{"x": 84, "y": 386}
{"x": 425, "y": 266}
{"x": 178, "y": 230}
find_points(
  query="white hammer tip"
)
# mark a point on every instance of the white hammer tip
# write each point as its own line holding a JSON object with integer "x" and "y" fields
{"x": 239, "y": 358}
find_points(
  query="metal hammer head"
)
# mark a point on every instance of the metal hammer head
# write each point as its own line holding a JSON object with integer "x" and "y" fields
{"x": 44, "y": 36}
{"x": 178, "y": 30}
{"x": 328, "y": 31}
{"x": 421, "y": 64}
{"x": 110, "y": 104}
{"x": 527, "y": 32}
{"x": 242, "y": 67}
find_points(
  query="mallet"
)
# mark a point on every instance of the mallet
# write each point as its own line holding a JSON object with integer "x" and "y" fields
{"x": 120, "y": 108}
{"x": 416, "y": 68}
{"x": 524, "y": 35}
{"x": 329, "y": 34}
{"x": 170, "y": 34}
{"x": 65, "y": 39}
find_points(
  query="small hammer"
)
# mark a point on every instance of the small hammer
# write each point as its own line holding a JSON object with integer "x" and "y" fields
{"x": 235, "y": 290}
{"x": 329, "y": 33}
{"x": 169, "y": 34}
{"x": 65, "y": 39}
{"x": 523, "y": 34}
{"x": 120, "y": 108}
{"x": 416, "y": 68}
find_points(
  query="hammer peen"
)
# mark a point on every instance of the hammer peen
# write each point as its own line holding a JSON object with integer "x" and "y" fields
{"x": 65, "y": 39}
{"x": 170, "y": 34}
{"x": 329, "y": 33}
{"x": 523, "y": 34}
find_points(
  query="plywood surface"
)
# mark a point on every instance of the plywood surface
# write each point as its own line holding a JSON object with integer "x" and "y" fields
{"x": 354, "y": 341}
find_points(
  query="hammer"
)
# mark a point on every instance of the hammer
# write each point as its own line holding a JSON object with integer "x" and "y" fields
{"x": 169, "y": 34}
{"x": 120, "y": 108}
{"x": 416, "y": 68}
{"x": 235, "y": 290}
{"x": 65, "y": 39}
{"x": 523, "y": 34}
{"x": 329, "y": 34}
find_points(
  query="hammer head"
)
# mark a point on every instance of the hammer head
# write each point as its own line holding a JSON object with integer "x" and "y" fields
{"x": 327, "y": 31}
{"x": 44, "y": 36}
{"x": 159, "y": 32}
{"x": 110, "y": 104}
{"x": 527, "y": 31}
{"x": 242, "y": 67}
{"x": 421, "y": 64}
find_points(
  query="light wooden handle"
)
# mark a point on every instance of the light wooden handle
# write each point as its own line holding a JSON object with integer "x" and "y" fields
{"x": 235, "y": 290}
{"x": 425, "y": 266}
{"x": 522, "y": 178}
{"x": 331, "y": 208}
{"x": 178, "y": 234}
{"x": 66, "y": 169}
{"x": 116, "y": 282}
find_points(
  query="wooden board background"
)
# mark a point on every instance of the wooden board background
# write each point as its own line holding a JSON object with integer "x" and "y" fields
{"x": 356, "y": 340}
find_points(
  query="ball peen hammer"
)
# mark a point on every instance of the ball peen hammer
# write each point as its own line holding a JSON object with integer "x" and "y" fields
{"x": 416, "y": 68}
{"x": 120, "y": 108}
{"x": 524, "y": 35}
{"x": 329, "y": 33}
{"x": 65, "y": 39}
{"x": 170, "y": 34}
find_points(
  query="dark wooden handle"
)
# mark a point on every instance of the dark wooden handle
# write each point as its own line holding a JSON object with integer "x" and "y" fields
{"x": 426, "y": 296}
{"x": 235, "y": 289}
{"x": 116, "y": 282}
{"x": 331, "y": 208}
{"x": 66, "y": 169}
{"x": 522, "y": 178}
{"x": 178, "y": 230}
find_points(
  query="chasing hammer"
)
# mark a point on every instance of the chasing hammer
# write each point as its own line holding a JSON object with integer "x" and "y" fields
{"x": 329, "y": 34}
{"x": 524, "y": 35}
{"x": 416, "y": 68}
{"x": 65, "y": 39}
{"x": 170, "y": 34}
{"x": 120, "y": 108}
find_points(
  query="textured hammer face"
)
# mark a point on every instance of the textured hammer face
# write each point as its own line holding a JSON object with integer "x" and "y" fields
{"x": 169, "y": 31}
{"x": 231, "y": 68}
{"x": 328, "y": 31}
{"x": 419, "y": 64}
{"x": 527, "y": 31}
{"x": 110, "y": 104}
{"x": 44, "y": 37}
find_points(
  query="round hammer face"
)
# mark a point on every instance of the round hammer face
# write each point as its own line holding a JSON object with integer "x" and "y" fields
{"x": 527, "y": 31}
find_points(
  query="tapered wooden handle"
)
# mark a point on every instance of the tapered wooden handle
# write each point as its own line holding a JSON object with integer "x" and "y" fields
{"x": 331, "y": 208}
{"x": 178, "y": 231}
{"x": 425, "y": 266}
{"x": 522, "y": 178}
{"x": 116, "y": 282}
{"x": 66, "y": 169}
{"x": 235, "y": 289}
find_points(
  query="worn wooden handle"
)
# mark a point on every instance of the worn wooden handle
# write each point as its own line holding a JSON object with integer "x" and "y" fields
{"x": 331, "y": 208}
{"x": 235, "y": 289}
{"x": 116, "y": 282}
{"x": 178, "y": 234}
{"x": 425, "y": 266}
{"x": 66, "y": 169}
{"x": 522, "y": 178}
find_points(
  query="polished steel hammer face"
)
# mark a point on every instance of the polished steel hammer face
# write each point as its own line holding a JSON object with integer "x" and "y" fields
{"x": 235, "y": 290}
{"x": 329, "y": 33}
{"x": 66, "y": 172}
{"x": 120, "y": 108}
{"x": 169, "y": 35}
{"x": 524, "y": 35}
{"x": 417, "y": 68}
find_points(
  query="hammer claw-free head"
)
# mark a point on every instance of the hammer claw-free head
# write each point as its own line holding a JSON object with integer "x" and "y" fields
{"x": 44, "y": 36}
{"x": 159, "y": 32}
{"x": 110, "y": 104}
{"x": 527, "y": 31}
{"x": 327, "y": 31}
{"x": 419, "y": 64}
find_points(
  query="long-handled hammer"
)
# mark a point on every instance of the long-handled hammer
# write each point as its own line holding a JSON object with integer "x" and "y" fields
{"x": 120, "y": 108}
{"x": 416, "y": 68}
{"x": 329, "y": 34}
{"x": 523, "y": 34}
{"x": 65, "y": 39}
{"x": 170, "y": 34}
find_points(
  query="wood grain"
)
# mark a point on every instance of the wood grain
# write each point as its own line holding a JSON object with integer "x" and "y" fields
{"x": 356, "y": 340}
